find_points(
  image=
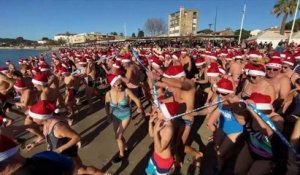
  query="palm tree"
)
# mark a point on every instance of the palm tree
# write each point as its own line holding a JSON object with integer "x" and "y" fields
{"x": 285, "y": 8}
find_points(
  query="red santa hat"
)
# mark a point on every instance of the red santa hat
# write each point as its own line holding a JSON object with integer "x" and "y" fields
{"x": 44, "y": 68}
{"x": 4, "y": 70}
{"x": 229, "y": 57}
{"x": 20, "y": 61}
{"x": 253, "y": 54}
{"x": 40, "y": 79}
{"x": 297, "y": 55}
{"x": 176, "y": 55}
{"x": 213, "y": 56}
{"x": 167, "y": 54}
{"x": 66, "y": 65}
{"x": 200, "y": 61}
{"x": 274, "y": 62}
{"x": 7, "y": 62}
{"x": 290, "y": 60}
{"x": 126, "y": 58}
{"x": 19, "y": 84}
{"x": 82, "y": 61}
{"x": 213, "y": 70}
{"x": 256, "y": 70}
{"x": 174, "y": 72}
{"x": 184, "y": 51}
{"x": 117, "y": 65}
{"x": 225, "y": 86}
{"x": 8, "y": 148}
{"x": 42, "y": 110}
{"x": 2, "y": 120}
{"x": 263, "y": 102}
{"x": 42, "y": 59}
{"x": 169, "y": 109}
{"x": 222, "y": 70}
{"x": 112, "y": 79}
{"x": 276, "y": 55}
{"x": 156, "y": 62}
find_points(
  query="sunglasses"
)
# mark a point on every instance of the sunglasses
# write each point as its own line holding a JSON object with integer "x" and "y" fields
{"x": 118, "y": 85}
{"x": 285, "y": 67}
{"x": 223, "y": 94}
{"x": 275, "y": 70}
{"x": 252, "y": 77}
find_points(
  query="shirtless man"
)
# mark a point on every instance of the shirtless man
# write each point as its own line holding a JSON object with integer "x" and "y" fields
{"x": 161, "y": 130}
{"x": 6, "y": 85}
{"x": 183, "y": 90}
{"x": 287, "y": 69}
{"x": 279, "y": 81}
{"x": 236, "y": 70}
{"x": 27, "y": 98}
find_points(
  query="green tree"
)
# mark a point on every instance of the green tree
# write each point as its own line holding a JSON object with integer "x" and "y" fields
{"x": 19, "y": 39}
{"x": 206, "y": 31}
{"x": 113, "y": 33}
{"x": 285, "y": 8}
{"x": 45, "y": 39}
{"x": 121, "y": 34}
{"x": 245, "y": 33}
{"x": 141, "y": 34}
{"x": 133, "y": 35}
{"x": 288, "y": 25}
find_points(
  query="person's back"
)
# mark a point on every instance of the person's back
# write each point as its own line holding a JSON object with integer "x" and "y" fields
{"x": 50, "y": 94}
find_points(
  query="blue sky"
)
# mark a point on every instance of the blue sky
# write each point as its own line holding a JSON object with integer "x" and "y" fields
{"x": 34, "y": 19}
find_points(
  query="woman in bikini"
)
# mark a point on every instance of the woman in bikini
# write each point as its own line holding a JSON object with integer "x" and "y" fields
{"x": 117, "y": 107}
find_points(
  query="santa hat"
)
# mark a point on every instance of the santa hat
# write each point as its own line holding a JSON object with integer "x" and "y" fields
{"x": 119, "y": 58}
{"x": 161, "y": 56}
{"x": 221, "y": 70}
{"x": 253, "y": 54}
{"x": 239, "y": 55}
{"x": 66, "y": 65}
{"x": 276, "y": 55}
{"x": 19, "y": 84}
{"x": 290, "y": 60}
{"x": 111, "y": 78}
{"x": 174, "y": 72}
{"x": 8, "y": 148}
{"x": 156, "y": 62}
{"x": 44, "y": 68}
{"x": 256, "y": 70}
{"x": 40, "y": 79}
{"x": 247, "y": 68}
{"x": 4, "y": 70}
{"x": 274, "y": 62}
{"x": 167, "y": 54}
{"x": 184, "y": 51}
{"x": 225, "y": 86}
{"x": 82, "y": 61}
{"x": 20, "y": 61}
{"x": 213, "y": 70}
{"x": 169, "y": 109}
{"x": 42, "y": 59}
{"x": 229, "y": 57}
{"x": 126, "y": 58}
{"x": 213, "y": 56}
{"x": 42, "y": 110}
{"x": 297, "y": 55}
{"x": 200, "y": 61}
{"x": 7, "y": 62}
{"x": 263, "y": 102}
{"x": 117, "y": 65}
{"x": 176, "y": 55}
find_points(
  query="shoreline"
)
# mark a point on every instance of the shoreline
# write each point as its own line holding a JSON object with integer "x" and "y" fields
{"x": 41, "y": 48}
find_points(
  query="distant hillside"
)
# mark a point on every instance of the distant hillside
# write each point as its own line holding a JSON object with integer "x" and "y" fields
{"x": 20, "y": 41}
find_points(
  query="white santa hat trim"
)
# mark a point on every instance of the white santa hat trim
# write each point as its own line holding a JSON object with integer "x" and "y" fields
{"x": 82, "y": 63}
{"x": 175, "y": 57}
{"x": 19, "y": 88}
{"x": 224, "y": 90}
{"x": 274, "y": 65}
{"x": 116, "y": 66}
{"x": 181, "y": 74}
{"x": 40, "y": 116}
{"x": 212, "y": 74}
{"x": 297, "y": 57}
{"x": 115, "y": 79}
{"x": 155, "y": 65}
{"x": 165, "y": 111}
{"x": 200, "y": 64}
{"x": 289, "y": 63}
{"x": 9, "y": 153}
{"x": 256, "y": 72}
{"x": 263, "y": 106}
{"x": 44, "y": 69}
{"x": 34, "y": 81}
{"x": 253, "y": 56}
{"x": 282, "y": 55}
{"x": 125, "y": 60}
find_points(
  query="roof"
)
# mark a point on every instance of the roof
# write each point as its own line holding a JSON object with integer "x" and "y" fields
{"x": 267, "y": 35}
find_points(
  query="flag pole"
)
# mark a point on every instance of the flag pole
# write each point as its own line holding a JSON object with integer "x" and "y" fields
{"x": 242, "y": 23}
{"x": 292, "y": 30}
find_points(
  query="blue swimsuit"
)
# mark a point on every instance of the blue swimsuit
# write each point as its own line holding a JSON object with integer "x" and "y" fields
{"x": 120, "y": 110}
{"x": 228, "y": 122}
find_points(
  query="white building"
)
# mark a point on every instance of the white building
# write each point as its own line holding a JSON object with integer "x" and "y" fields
{"x": 255, "y": 32}
{"x": 42, "y": 42}
{"x": 268, "y": 36}
{"x": 63, "y": 36}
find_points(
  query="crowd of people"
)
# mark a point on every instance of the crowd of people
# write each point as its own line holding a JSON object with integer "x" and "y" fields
{"x": 220, "y": 83}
